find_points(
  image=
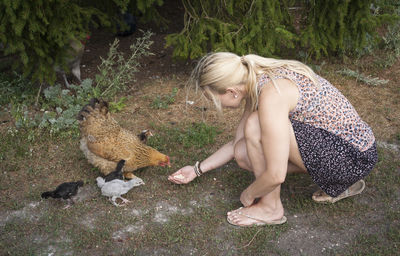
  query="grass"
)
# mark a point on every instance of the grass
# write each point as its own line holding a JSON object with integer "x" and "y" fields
{"x": 168, "y": 219}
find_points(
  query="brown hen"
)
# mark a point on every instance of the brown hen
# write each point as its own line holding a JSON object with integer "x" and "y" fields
{"x": 104, "y": 142}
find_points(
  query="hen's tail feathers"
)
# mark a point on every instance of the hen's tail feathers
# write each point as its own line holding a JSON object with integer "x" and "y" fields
{"x": 79, "y": 183}
{"x": 93, "y": 104}
{"x": 47, "y": 194}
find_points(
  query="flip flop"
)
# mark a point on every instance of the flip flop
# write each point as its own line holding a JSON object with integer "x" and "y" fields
{"x": 259, "y": 221}
{"x": 355, "y": 189}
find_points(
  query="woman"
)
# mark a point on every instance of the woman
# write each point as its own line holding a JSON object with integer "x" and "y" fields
{"x": 294, "y": 121}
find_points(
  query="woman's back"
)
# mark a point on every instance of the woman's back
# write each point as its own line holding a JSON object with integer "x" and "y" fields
{"x": 325, "y": 107}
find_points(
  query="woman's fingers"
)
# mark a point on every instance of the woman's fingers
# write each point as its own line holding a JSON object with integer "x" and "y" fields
{"x": 183, "y": 175}
{"x": 177, "y": 178}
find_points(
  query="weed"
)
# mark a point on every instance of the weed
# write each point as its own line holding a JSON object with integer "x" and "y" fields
{"x": 162, "y": 102}
{"x": 116, "y": 72}
{"x": 15, "y": 88}
{"x": 374, "y": 81}
{"x": 118, "y": 106}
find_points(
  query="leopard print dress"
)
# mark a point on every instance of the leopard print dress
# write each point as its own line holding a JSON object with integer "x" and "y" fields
{"x": 336, "y": 146}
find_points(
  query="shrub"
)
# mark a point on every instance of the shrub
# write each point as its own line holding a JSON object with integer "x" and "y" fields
{"x": 38, "y": 33}
{"x": 116, "y": 71}
{"x": 60, "y": 105}
{"x": 273, "y": 27}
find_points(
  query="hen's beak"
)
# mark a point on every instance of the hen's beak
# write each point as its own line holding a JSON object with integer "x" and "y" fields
{"x": 168, "y": 163}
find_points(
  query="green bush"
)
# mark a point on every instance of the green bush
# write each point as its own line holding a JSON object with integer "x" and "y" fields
{"x": 38, "y": 33}
{"x": 60, "y": 105}
{"x": 273, "y": 27}
{"x": 240, "y": 26}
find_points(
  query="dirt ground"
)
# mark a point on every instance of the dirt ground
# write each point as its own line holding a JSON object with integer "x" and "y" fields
{"x": 302, "y": 238}
{"x": 161, "y": 73}
{"x": 342, "y": 229}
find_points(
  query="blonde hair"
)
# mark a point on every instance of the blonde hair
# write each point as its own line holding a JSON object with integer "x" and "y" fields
{"x": 216, "y": 72}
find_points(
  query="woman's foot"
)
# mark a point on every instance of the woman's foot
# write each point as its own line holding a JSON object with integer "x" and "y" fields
{"x": 355, "y": 189}
{"x": 256, "y": 215}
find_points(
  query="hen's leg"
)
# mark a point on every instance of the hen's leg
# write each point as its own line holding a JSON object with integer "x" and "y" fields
{"x": 113, "y": 200}
{"x": 76, "y": 71}
{"x": 65, "y": 79}
{"x": 129, "y": 175}
{"x": 124, "y": 200}
{"x": 70, "y": 202}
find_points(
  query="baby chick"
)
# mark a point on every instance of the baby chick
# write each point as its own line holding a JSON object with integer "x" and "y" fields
{"x": 117, "y": 174}
{"x": 144, "y": 135}
{"x": 65, "y": 191}
{"x": 115, "y": 188}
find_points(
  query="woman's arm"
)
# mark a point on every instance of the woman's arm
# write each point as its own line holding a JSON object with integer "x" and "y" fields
{"x": 220, "y": 157}
{"x": 217, "y": 159}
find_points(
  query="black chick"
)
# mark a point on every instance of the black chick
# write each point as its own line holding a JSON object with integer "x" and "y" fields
{"x": 117, "y": 174}
{"x": 65, "y": 190}
{"x": 144, "y": 135}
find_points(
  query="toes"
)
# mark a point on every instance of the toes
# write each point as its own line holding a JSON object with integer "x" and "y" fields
{"x": 236, "y": 218}
{"x": 319, "y": 193}
{"x": 234, "y": 211}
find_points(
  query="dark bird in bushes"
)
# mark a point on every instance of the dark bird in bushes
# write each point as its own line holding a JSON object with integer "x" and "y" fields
{"x": 127, "y": 25}
{"x": 64, "y": 191}
{"x": 73, "y": 59}
{"x": 144, "y": 135}
{"x": 117, "y": 174}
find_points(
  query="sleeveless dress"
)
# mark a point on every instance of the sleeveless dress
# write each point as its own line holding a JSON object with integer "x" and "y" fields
{"x": 336, "y": 146}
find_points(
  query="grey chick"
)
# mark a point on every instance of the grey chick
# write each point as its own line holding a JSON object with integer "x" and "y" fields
{"x": 116, "y": 188}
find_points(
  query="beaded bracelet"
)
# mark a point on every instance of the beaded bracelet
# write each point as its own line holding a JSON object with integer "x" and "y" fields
{"x": 197, "y": 169}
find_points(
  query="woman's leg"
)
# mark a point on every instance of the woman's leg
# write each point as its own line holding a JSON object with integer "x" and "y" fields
{"x": 249, "y": 155}
{"x": 242, "y": 159}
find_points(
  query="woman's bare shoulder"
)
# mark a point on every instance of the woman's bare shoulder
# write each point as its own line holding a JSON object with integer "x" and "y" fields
{"x": 284, "y": 91}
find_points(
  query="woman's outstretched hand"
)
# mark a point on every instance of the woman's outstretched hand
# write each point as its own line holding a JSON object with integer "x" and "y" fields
{"x": 183, "y": 175}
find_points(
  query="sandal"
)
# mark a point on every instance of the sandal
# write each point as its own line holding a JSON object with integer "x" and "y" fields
{"x": 259, "y": 221}
{"x": 355, "y": 189}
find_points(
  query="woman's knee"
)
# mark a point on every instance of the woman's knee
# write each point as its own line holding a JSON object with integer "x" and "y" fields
{"x": 240, "y": 154}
